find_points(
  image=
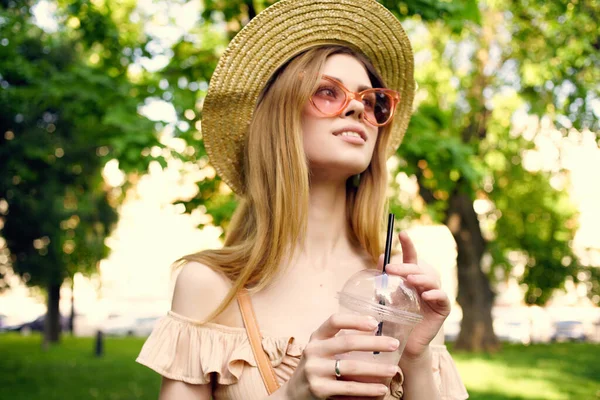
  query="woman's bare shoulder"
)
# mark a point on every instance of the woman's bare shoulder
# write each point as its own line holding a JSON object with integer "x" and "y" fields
{"x": 199, "y": 290}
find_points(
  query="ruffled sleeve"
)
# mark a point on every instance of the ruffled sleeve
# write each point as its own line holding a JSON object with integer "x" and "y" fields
{"x": 185, "y": 350}
{"x": 446, "y": 374}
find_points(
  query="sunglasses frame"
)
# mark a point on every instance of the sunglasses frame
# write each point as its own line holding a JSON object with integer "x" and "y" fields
{"x": 394, "y": 95}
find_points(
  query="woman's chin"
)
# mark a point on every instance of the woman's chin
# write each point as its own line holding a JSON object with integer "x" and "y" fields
{"x": 355, "y": 167}
{"x": 340, "y": 169}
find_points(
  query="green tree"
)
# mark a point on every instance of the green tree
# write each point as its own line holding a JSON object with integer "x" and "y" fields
{"x": 463, "y": 147}
{"x": 68, "y": 106}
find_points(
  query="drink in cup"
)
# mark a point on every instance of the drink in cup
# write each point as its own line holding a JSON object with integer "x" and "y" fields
{"x": 387, "y": 298}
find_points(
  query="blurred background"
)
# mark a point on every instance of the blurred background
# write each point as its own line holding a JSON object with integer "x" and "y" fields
{"x": 104, "y": 182}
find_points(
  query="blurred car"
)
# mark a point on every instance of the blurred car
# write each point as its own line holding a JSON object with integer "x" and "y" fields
{"x": 118, "y": 325}
{"x": 125, "y": 325}
{"x": 145, "y": 326}
{"x": 568, "y": 331}
{"x": 512, "y": 331}
{"x": 85, "y": 324}
{"x": 37, "y": 325}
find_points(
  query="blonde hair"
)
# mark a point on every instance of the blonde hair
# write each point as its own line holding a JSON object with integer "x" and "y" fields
{"x": 271, "y": 217}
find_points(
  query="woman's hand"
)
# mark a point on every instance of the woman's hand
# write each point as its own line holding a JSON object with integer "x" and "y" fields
{"x": 314, "y": 378}
{"x": 435, "y": 305}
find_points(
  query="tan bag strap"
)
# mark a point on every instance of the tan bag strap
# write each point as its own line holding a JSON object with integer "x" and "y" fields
{"x": 262, "y": 360}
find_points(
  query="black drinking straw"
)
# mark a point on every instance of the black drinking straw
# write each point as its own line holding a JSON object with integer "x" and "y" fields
{"x": 386, "y": 261}
{"x": 388, "y": 241}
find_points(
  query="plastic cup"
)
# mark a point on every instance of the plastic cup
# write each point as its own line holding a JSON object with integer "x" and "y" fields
{"x": 391, "y": 301}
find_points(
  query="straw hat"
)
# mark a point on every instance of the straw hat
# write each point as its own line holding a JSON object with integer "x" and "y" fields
{"x": 281, "y": 32}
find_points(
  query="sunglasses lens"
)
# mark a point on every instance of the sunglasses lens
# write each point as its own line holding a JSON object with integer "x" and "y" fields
{"x": 329, "y": 98}
{"x": 378, "y": 106}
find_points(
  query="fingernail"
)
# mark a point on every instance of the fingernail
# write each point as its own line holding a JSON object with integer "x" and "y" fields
{"x": 383, "y": 389}
{"x": 394, "y": 343}
{"x": 372, "y": 323}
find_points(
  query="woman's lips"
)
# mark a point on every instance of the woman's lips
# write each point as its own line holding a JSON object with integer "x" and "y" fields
{"x": 351, "y": 137}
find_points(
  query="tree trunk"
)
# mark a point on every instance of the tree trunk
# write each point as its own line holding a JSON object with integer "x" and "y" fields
{"x": 475, "y": 295}
{"x": 251, "y": 10}
{"x": 52, "y": 324}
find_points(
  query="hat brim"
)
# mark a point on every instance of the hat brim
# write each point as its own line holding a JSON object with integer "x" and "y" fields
{"x": 276, "y": 35}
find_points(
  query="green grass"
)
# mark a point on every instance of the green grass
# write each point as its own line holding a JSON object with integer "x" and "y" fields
{"x": 71, "y": 371}
{"x": 565, "y": 371}
{"x": 569, "y": 371}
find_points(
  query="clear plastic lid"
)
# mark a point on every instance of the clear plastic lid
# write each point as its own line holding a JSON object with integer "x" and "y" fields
{"x": 389, "y": 296}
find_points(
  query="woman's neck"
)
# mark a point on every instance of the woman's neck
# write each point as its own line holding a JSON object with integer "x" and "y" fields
{"x": 327, "y": 225}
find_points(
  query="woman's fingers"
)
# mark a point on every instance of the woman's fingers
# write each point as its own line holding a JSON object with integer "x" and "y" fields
{"x": 357, "y": 378}
{"x": 327, "y": 388}
{"x": 422, "y": 282}
{"x": 403, "y": 269}
{"x": 358, "y": 370}
{"x": 436, "y": 295}
{"x": 351, "y": 369}
{"x": 368, "y": 378}
{"x": 409, "y": 253}
{"x": 438, "y": 300}
{"x": 346, "y": 343}
{"x": 337, "y": 322}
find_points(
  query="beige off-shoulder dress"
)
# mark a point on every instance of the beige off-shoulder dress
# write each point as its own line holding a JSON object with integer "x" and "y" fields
{"x": 200, "y": 353}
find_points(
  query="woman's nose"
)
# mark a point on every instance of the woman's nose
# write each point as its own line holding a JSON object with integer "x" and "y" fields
{"x": 355, "y": 107}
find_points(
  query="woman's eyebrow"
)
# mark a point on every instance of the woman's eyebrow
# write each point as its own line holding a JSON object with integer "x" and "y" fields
{"x": 360, "y": 88}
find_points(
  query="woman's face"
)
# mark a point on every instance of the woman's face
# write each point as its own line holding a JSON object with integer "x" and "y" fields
{"x": 339, "y": 146}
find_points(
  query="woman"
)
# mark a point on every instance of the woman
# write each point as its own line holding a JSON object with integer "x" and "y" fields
{"x": 298, "y": 122}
